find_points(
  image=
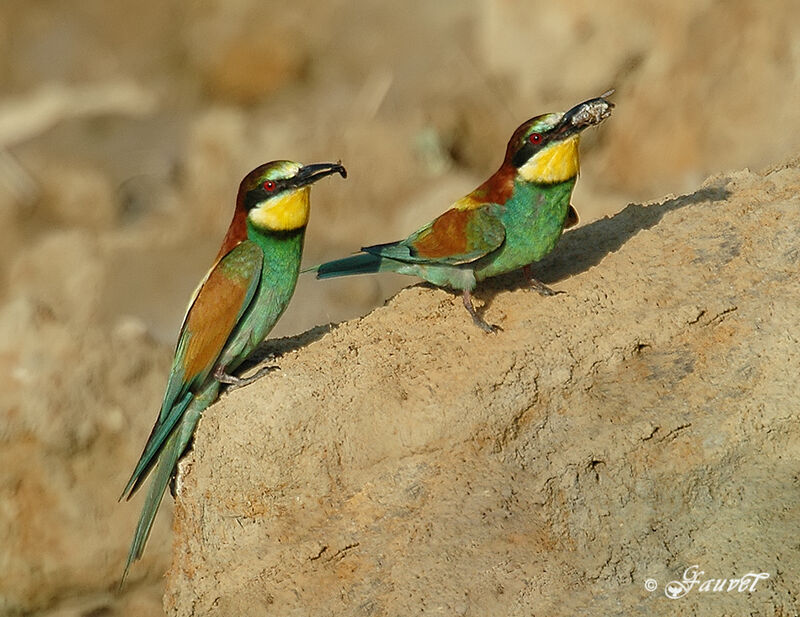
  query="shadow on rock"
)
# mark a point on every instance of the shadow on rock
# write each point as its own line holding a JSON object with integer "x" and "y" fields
{"x": 272, "y": 349}
{"x": 586, "y": 246}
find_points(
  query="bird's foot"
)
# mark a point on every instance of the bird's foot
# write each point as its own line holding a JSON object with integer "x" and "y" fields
{"x": 477, "y": 319}
{"x": 234, "y": 382}
{"x": 486, "y": 326}
{"x": 537, "y": 285}
{"x": 542, "y": 289}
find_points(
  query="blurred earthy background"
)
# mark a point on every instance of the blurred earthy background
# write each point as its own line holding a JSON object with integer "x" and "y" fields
{"x": 124, "y": 131}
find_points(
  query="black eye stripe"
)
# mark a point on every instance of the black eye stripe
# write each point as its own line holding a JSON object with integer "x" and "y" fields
{"x": 255, "y": 196}
{"x": 524, "y": 153}
{"x": 528, "y": 149}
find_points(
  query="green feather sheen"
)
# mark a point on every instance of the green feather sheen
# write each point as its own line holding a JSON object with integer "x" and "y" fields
{"x": 281, "y": 267}
{"x": 534, "y": 218}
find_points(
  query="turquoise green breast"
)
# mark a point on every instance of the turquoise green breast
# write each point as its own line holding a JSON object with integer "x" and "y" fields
{"x": 534, "y": 218}
{"x": 282, "y": 254}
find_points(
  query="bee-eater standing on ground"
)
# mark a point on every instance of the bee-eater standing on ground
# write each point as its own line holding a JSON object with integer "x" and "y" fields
{"x": 233, "y": 309}
{"x": 513, "y": 219}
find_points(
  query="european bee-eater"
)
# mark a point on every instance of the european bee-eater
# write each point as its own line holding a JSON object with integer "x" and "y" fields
{"x": 510, "y": 221}
{"x": 233, "y": 309}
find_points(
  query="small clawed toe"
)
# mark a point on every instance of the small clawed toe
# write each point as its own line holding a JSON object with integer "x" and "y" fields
{"x": 234, "y": 382}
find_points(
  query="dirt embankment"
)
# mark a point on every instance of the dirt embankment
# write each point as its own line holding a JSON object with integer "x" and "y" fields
{"x": 643, "y": 422}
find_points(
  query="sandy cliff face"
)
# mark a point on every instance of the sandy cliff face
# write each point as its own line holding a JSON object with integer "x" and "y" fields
{"x": 641, "y": 423}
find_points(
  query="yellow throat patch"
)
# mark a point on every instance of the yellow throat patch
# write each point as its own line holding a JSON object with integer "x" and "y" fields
{"x": 553, "y": 164}
{"x": 284, "y": 212}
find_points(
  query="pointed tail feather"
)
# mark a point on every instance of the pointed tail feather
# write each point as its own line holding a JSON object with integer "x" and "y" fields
{"x": 154, "y": 444}
{"x": 163, "y": 472}
{"x": 166, "y": 465}
{"x": 363, "y": 263}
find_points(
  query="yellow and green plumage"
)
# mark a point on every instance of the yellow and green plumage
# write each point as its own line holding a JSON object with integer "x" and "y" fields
{"x": 234, "y": 308}
{"x": 513, "y": 219}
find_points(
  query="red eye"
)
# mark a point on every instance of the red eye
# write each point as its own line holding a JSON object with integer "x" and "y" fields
{"x": 535, "y": 138}
{"x": 269, "y": 185}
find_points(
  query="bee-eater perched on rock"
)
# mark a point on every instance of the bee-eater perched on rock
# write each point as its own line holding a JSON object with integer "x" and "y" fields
{"x": 513, "y": 219}
{"x": 234, "y": 308}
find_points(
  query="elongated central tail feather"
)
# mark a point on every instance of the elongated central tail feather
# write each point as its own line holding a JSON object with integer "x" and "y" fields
{"x": 363, "y": 263}
{"x": 164, "y": 468}
{"x": 154, "y": 445}
{"x": 168, "y": 457}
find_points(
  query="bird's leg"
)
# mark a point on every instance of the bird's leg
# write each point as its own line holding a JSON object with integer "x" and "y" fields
{"x": 536, "y": 285}
{"x": 237, "y": 382}
{"x": 477, "y": 319}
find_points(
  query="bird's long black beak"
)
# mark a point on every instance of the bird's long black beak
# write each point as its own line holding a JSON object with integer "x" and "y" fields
{"x": 309, "y": 174}
{"x": 586, "y": 114}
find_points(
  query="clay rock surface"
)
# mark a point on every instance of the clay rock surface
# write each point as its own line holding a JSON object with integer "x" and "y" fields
{"x": 643, "y": 422}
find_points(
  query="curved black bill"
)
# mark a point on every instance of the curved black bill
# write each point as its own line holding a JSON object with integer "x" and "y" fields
{"x": 309, "y": 174}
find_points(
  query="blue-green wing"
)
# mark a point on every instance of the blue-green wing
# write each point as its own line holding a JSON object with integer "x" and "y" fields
{"x": 458, "y": 236}
{"x": 215, "y": 309}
